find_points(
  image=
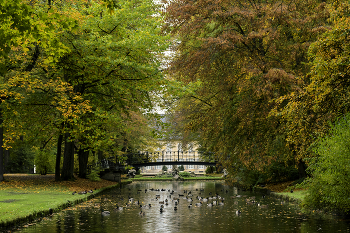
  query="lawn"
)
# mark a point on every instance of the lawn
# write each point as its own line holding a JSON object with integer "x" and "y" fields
{"x": 25, "y": 196}
{"x": 298, "y": 195}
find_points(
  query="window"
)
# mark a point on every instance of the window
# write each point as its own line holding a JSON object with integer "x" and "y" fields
{"x": 200, "y": 166}
{"x": 190, "y": 147}
{"x": 190, "y": 166}
{"x": 179, "y": 147}
{"x": 168, "y": 147}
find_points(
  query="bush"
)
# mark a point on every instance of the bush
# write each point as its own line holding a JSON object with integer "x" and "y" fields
{"x": 44, "y": 162}
{"x": 164, "y": 168}
{"x": 185, "y": 174}
{"x": 21, "y": 159}
{"x": 181, "y": 168}
{"x": 329, "y": 185}
{"x": 94, "y": 175}
{"x": 210, "y": 170}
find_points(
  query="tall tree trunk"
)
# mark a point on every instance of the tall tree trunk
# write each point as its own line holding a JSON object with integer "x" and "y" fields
{"x": 302, "y": 168}
{"x": 83, "y": 161}
{"x": 5, "y": 160}
{"x": 58, "y": 158}
{"x": 1, "y": 147}
{"x": 68, "y": 159}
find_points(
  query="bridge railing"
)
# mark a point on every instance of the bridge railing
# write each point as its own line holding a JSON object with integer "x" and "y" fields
{"x": 167, "y": 156}
{"x": 159, "y": 156}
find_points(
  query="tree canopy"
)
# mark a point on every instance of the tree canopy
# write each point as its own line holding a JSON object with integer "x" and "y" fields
{"x": 242, "y": 58}
{"x": 88, "y": 74}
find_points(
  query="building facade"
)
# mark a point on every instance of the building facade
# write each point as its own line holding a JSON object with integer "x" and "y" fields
{"x": 173, "y": 151}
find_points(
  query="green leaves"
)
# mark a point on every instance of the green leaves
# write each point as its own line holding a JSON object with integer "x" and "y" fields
{"x": 329, "y": 185}
{"x": 15, "y": 25}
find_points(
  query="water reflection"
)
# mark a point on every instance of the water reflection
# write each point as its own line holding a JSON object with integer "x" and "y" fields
{"x": 271, "y": 216}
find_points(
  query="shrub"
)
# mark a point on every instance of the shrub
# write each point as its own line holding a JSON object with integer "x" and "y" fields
{"x": 329, "y": 185}
{"x": 44, "y": 162}
{"x": 165, "y": 168}
{"x": 94, "y": 175}
{"x": 181, "y": 168}
{"x": 210, "y": 170}
{"x": 185, "y": 174}
{"x": 21, "y": 159}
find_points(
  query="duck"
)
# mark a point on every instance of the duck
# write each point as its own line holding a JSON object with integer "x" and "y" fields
{"x": 190, "y": 205}
{"x": 161, "y": 210}
{"x": 262, "y": 206}
{"x": 74, "y": 192}
{"x": 142, "y": 213}
{"x": 82, "y": 192}
{"x": 238, "y": 212}
{"x": 199, "y": 204}
{"x": 105, "y": 213}
{"x": 175, "y": 207}
{"x": 118, "y": 207}
{"x": 90, "y": 191}
{"x": 209, "y": 204}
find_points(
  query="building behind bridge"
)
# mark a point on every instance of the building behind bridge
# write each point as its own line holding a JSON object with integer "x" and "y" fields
{"x": 171, "y": 148}
{"x": 172, "y": 151}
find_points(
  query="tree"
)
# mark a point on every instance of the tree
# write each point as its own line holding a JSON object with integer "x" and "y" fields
{"x": 329, "y": 182}
{"x": 122, "y": 48}
{"x": 324, "y": 97}
{"x": 242, "y": 56}
{"x": 21, "y": 30}
{"x": 91, "y": 70}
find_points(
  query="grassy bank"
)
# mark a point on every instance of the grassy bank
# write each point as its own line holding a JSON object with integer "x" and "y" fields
{"x": 142, "y": 178}
{"x": 27, "y": 197}
{"x": 297, "y": 195}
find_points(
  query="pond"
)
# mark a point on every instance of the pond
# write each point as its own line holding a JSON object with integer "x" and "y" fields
{"x": 229, "y": 210}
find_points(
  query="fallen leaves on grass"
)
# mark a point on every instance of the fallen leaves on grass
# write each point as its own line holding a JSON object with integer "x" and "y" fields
{"x": 279, "y": 187}
{"x": 40, "y": 182}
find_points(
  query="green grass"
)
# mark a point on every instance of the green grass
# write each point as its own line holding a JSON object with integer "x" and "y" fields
{"x": 26, "y": 204}
{"x": 20, "y": 203}
{"x": 298, "y": 195}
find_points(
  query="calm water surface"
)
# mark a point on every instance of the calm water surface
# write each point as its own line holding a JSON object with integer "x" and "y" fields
{"x": 275, "y": 217}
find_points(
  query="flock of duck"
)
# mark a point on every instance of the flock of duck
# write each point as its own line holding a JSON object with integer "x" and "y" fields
{"x": 171, "y": 200}
{"x": 83, "y": 192}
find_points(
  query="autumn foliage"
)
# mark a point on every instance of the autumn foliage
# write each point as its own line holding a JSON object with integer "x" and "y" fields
{"x": 242, "y": 61}
{"x": 78, "y": 76}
